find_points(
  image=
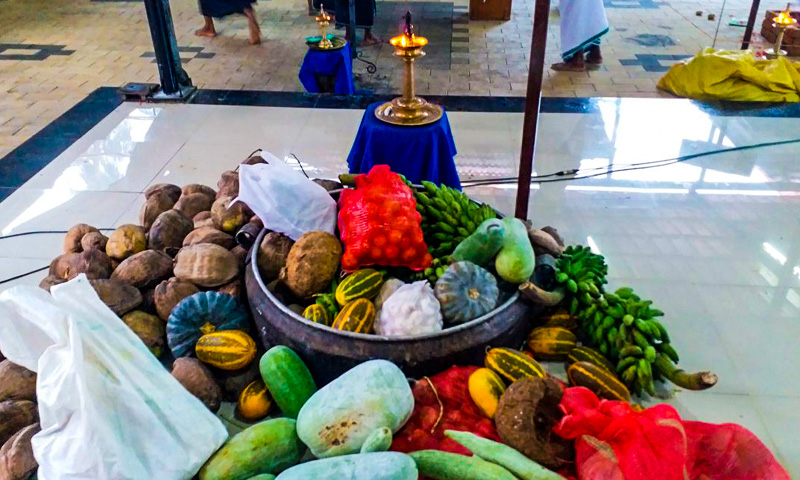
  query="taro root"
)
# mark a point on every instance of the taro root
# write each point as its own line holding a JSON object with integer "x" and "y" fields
{"x": 228, "y": 184}
{"x": 169, "y": 230}
{"x": 525, "y": 418}
{"x": 554, "y": 233}
{"x": 233, "y": 382}
{"x": 544, "y": 243}
{"x": 120, "y": 297}
{"x": 194, "y": 203}
{"x": 312, "y": 262}
{"x": 94, "y": 241}
{"x": 16, "y": 415}
{"x": 198, "y": 188}
{"x": 50, "y": 281}
{"x": 16, "y": 455}
{"x": 197, "y": 379}
{"x": 254, "y": 160}
{"x": 169, "y": 293}
{"x": 206, "y": 265}
{"x": 16, "y": 382}
{"x": 94, "y": 263}
{"x": 329, "y": 185}
{"x": 144, "y": 269}
{"x": 149, "y": 328}
{"x": 157, "y": 204}
{"x": 272, "y": 254}
{"x": 235, "y": 289}
{"x": 125, "y": 241}
{"x": 203, "y": 219}
{"x": 229, "y": 217}
{"x": 72, "y": 241}
{"x": 209, "y": 235}
{"x": 171, "y": 191}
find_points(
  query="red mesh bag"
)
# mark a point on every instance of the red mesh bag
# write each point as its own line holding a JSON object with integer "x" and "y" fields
{"x": 441, "y": 403}
{"x": 379, "y": 223}
{"x": 616, "y": 442}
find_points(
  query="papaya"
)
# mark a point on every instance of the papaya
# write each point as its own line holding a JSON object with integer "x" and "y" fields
{"x": 482, "y": 246}
{"x": 287, "y": 378}
{"x": 372, "y": 466}
{"x": 516, "y": 260}
{"x": 275, "y": 441}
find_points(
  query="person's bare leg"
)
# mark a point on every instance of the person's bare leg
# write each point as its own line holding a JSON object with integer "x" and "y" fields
{"x": 252, "y": 24}
{"x": 311, "y": 10}
{"x": 370, "y": 38}
{"x": 574, "y": 64}
{"x": 208, "y": 28}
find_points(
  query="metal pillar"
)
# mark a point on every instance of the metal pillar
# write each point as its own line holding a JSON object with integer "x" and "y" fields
{"x": 351, "y": 30}
{"x": 751, "y": 23}
{"x": 533, "y": 101}
{"x": 175, "y": 82}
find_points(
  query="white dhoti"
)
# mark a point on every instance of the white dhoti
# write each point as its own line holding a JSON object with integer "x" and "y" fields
{"x": 583, "y": 22}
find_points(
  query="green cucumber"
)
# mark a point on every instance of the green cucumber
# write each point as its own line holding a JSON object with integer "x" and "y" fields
{"x": 516, "y": 259}
{"x": 263, "y": 476}
{"x": 483, "y": 244}
{"x": 378, "y": 441}
{"x": 503, "y": 455}
{"x": 275, "y": 441}
{"x": 287, "y": 378}
{"x": 452, "y": 466}
{"x": 360, "y": 466}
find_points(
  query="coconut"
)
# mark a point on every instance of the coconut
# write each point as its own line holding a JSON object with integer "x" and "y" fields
{"x": 149, "y": 328}
{"x": 229, "y": 217}
{"x": 272, "y": 255}
{"x": 169, "y": 293}
{"x": 120, "y": 297}
{"x": 194, "y": 203}
{"x": 233, "y": 382}
{"x": 148, "y": 304}
{"x": 171, "y": 191}
{"x": 16, "y": 382}
{"x": 312, "y": 263}
{"x": 94, "y": 241}
{"x": 241, "y": 254}
{"x": 209, "y": 235}
{"x": 203, "y": 219}
{"x": 72, "y": 241}
{"x": 16, "y": 456}
{"x": 125, "y": 241}
{"x": 93, "y": 263}
{"x": 206, "y": 265}
{"x": 155, "y": 205}
{"x": 50, "y": 281}
{"x": 235, "y": 289}
{"x": 197, "y": 379}
{"x": 144, "y": 269}
{"x": 254, "y": 160}
{"x": 169, "y": 230}
{"x": 228, "y": 184}
{"x": 198, "y": 188}
{"x": 16, "y": 415}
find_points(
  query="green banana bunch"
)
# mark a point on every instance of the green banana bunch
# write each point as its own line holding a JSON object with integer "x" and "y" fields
{"x": 626, "y": 330}
{"x": 582, "y": 273}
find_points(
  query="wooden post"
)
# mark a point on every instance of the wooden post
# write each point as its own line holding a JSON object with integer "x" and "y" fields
{"x": 533, "y": 100}
{"x": 751, "y": 23}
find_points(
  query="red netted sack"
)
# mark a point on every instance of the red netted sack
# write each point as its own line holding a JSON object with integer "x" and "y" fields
{"x": 379, "y": 223}
{"x": 425, "y": 429}
{"x": 613, "y": 441}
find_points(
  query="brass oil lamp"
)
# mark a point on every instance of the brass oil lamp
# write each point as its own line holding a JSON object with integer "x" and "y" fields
{"x": 409, "y": 109}
{"x": 323, "y": 20}
{"x": 783, "y": 21}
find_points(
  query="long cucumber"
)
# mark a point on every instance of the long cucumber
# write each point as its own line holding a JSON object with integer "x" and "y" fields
{"x": 503, "y": 455}
{"x": 452, "y": 466}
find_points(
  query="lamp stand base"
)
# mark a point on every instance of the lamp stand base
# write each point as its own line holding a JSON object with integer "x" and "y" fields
{"x": 411, "y": 113}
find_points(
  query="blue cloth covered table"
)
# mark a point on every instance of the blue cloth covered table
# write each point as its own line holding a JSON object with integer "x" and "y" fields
{"x": 333, "y": 62}
{"x": 420, "y": 153}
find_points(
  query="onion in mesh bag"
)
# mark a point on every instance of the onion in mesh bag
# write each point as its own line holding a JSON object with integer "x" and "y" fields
{"x": 412, "y": 310}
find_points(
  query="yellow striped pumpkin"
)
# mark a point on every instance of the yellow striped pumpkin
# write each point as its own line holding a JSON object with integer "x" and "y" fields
{"x": 513, "y": 365}
{"x": 599, "y": 380}
{"x": 364, "y": 283}
{"x": 551, "y": 342}
{"x": 317, "y": 314}
{"x": 585, "y": 354}
{"x": 227, "y": 349}
{"x": 485, "y": 389}
{"x": 255, "y": 401}
{"x": 357, "y": 316}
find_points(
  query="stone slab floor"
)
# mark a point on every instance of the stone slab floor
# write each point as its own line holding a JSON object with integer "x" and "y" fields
{"x": 53, "y": 53}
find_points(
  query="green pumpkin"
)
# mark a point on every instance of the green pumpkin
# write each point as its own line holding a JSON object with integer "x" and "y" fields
{"x": 200, "y": 314}
{"x": 465, "y": 292}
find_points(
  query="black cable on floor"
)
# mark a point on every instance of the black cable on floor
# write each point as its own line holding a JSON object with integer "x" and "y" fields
{"x": 23, "y": 275}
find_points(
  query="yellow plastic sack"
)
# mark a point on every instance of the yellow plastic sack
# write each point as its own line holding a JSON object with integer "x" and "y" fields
{"x": 734, "y": 75}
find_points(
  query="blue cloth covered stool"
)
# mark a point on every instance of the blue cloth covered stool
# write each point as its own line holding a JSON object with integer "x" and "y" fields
{"x": 333, "y": 62}
{"x": 420, "y": 153}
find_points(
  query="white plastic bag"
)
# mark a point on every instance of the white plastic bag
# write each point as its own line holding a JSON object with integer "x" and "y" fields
{"x": 285, "y": 199}
{"x": 108, "y": 409}
{"x": 411, "y": 310}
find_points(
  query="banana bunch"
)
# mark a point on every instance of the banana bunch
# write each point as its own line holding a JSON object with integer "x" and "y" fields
{"x": 626, "y": 330}
{"x": 582, "y": 274}
{"x": 448, "y": 217}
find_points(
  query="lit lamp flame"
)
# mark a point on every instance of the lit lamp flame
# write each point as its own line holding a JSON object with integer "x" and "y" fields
{"x": 783, "y": 21}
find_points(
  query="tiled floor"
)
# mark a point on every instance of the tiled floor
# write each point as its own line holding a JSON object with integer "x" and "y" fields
{"x": 714, "y": 241}
{"x": 52, "y": 53}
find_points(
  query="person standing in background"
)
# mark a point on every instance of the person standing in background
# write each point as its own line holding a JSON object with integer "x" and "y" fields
{"x": 211, "y": 9}
{"x": 365, "y": 18}
{"x": 583, "y": 23}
